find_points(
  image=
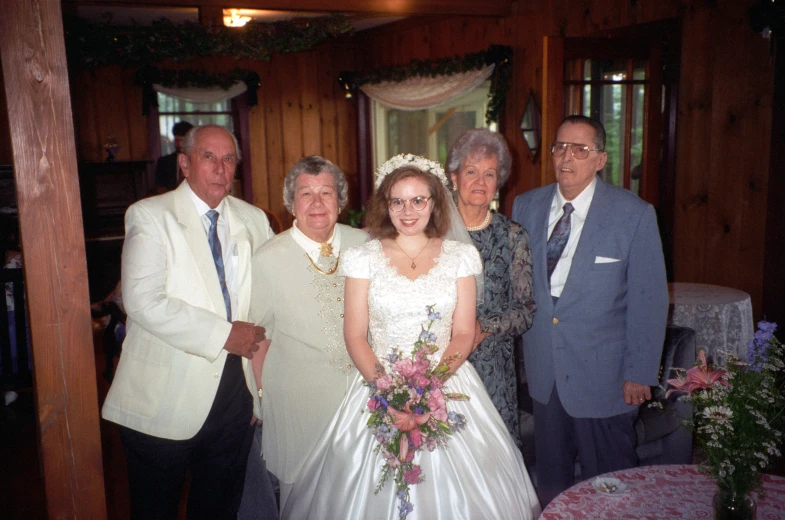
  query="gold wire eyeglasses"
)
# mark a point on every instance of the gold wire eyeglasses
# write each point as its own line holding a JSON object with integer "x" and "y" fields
{"x": 417, "y": 204}
{"x": 579, "y": 151}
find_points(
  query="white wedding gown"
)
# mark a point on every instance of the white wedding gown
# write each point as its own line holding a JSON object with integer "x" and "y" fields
{"x": 479, "y": 475}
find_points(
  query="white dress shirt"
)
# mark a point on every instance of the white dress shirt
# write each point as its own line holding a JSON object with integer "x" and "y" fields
{"x": 313, "y": 248}
{"x": 228, "y": 246}
{"x": 581, "y": 205}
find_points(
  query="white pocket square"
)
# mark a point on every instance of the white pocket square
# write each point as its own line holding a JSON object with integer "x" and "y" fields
{"x": 605, "y": 260}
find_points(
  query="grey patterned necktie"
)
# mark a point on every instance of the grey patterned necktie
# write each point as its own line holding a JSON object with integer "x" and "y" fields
{"x": 558, "y": 240}
{"x": 215, "y": 247}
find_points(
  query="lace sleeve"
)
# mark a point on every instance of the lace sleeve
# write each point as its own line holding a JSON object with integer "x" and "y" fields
{"x": 355, "y": 261}
{"x": 470, "y": 263}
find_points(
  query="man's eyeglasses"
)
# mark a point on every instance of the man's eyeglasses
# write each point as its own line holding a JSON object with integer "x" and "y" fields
{"x": 579, "y": 151}
{"x": 417, "y": 204}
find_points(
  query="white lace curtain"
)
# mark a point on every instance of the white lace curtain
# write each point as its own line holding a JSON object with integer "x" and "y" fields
{"x": 418, "y": 93}
{"x": 203, "y": 95}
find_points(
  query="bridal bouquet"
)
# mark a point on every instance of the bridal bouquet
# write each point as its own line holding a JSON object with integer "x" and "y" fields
{"x": 738, "y": 414}
{"x": 408, "y": 407}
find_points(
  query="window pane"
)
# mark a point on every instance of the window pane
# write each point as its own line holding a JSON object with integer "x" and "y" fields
{"x": 639, "y": 70}
{"x": 636, "y": 138}
{"x": 428, "y": 133}
{"x": 173, "y": 109}
{"x": 406, "y": 132}
{"x": 607, "y": 104}
{"x": 452, "y": 128}
{"x": 175, "y": 104}
{"x": 605, "y": 70}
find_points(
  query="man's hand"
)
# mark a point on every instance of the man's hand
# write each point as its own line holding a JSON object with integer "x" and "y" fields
{"x": 243, "y": 338}
{"x": 479, "y": 335}
{"x": 636, "y": 394}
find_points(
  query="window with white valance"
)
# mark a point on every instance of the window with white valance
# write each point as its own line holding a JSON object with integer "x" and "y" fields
{"x": 425, "y": 115}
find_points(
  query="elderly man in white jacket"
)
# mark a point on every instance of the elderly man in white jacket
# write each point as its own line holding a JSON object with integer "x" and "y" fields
{"x": 182, "y": 394}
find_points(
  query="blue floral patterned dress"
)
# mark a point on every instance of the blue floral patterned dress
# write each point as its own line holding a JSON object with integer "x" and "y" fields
{"x": 506, "y": 312}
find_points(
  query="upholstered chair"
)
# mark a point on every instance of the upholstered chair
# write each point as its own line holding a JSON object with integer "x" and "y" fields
{"x": 662, "y": 437}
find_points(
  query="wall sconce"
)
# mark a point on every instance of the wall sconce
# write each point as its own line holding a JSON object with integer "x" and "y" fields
{"x": 531, "y": 128}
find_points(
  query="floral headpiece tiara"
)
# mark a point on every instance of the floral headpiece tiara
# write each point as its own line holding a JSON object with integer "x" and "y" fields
{"x": 407, "y": 159}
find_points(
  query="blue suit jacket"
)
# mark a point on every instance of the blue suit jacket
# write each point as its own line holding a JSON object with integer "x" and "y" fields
{"x": 608, "y": 326}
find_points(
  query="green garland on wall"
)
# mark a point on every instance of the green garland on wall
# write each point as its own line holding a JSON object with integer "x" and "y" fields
{"x": 91, "y": 45}
{"x": 500, "y": 55}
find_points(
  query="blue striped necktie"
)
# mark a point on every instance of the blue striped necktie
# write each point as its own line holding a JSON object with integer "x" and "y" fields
{"x": 558, "y": 240}
{"x": 215, "y": 247}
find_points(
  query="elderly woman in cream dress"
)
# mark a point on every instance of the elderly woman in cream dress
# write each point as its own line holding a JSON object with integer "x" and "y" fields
{"x": 298, "y": 290}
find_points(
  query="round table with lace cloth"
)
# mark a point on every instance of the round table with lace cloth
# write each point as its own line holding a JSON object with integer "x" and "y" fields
{"x": 720, "y": 316}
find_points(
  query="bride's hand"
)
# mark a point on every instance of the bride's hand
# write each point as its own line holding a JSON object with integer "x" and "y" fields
{"x": 479, "y": 335}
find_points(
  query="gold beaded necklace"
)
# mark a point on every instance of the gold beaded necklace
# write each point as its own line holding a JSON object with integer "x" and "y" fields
{"x": 327, "y": 272}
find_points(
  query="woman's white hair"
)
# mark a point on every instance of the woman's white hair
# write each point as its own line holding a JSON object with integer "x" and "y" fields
{"x": 483, "y": 142}
{"x": 314, "y": 165}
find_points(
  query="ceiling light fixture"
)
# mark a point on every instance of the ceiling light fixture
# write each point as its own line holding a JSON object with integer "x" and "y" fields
{"x": 235, "y": 18}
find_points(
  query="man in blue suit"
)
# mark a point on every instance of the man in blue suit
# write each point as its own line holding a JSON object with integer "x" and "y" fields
{"x": 602, "y": 300}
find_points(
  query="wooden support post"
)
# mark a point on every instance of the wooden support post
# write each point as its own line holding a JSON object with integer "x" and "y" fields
{"x": 42, "y": 138}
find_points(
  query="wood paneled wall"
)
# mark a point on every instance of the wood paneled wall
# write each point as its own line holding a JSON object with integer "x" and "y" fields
{"x": 723, "y": 124}
{"x": 301, "y": 111}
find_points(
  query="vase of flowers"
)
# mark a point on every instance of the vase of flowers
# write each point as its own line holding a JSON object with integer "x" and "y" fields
{"x": 738, "y": 418}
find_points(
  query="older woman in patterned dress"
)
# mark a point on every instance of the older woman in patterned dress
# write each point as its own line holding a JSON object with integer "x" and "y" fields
{"x": 478, "y": 165}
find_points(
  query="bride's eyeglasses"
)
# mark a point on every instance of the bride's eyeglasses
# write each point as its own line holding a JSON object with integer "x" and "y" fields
{"x": 417, "y": 204}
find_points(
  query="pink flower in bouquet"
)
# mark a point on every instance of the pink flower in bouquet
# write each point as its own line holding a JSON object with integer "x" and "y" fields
{"x": 415, "y": 436}
{"x": 437, "y": 404}
{"x": 405, "y": 367}
{"x": 413, "y": 475}
{"x": 421, "y": 380}
{"x": 391, "y": 459}
{"x": 404, "y": 454}
{"x": 407, "y": 420}
{"x": 373, "y": 405}
{"x": 383, "y": 383}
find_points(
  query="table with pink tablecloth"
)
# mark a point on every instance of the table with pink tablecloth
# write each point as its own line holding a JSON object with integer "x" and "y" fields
{"x": 658, "y": 493}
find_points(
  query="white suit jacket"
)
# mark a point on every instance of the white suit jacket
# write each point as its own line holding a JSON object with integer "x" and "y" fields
{"x": 173, "y": 353}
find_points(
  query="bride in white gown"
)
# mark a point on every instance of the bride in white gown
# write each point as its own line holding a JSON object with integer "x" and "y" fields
{"x": 390, "y": 281}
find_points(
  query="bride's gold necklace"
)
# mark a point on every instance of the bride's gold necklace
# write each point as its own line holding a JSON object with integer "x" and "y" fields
{"x": 329, "y": 271}
{"x": 414, "y": 265}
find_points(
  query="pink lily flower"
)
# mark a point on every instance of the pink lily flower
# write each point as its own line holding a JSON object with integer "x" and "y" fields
{"x": 678, "y": 385}
{"x": 407, "y": 420}
{"x": 698, "y": 377}
{"x": 701, "y": 377}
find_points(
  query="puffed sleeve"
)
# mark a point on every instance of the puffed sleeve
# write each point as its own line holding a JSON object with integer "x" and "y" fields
{"x": 355, "y": 261}
{"x": 469, "y": 261}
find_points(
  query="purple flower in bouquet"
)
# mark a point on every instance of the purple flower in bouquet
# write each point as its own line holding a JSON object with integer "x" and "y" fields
{"x": 408, "y": 412}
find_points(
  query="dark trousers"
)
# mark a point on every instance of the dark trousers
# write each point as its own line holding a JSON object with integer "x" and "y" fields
{"x": 215, "y": 458}
{"x": 602, "y": 445}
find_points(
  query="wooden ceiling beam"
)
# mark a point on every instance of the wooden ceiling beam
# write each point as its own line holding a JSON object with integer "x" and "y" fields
{"x": 391, "y": 7}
